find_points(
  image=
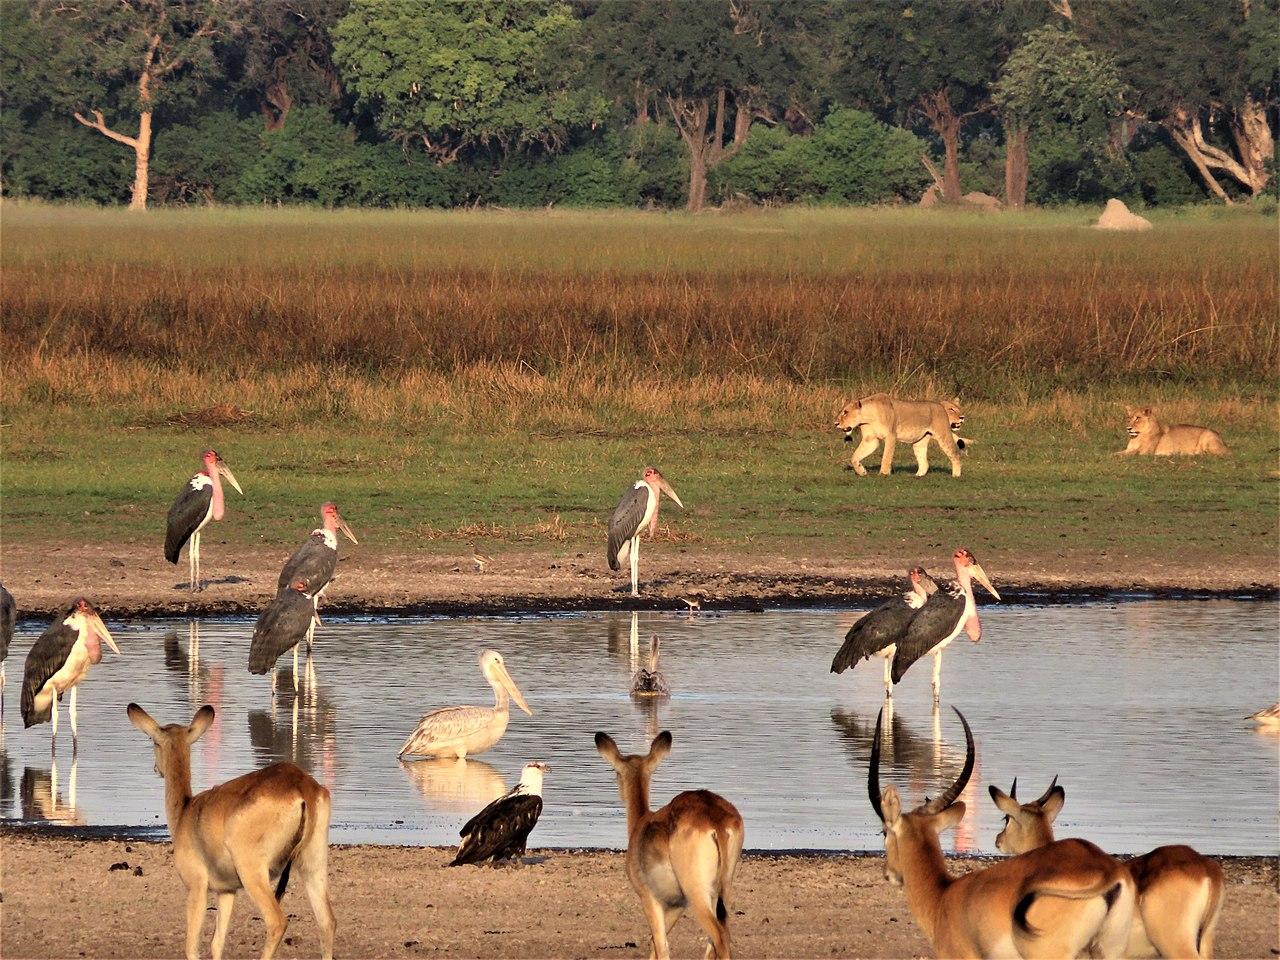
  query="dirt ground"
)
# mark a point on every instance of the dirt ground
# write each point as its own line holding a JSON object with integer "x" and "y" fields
{"x": 134, "y": 581}
{"x": 63, "y": 899}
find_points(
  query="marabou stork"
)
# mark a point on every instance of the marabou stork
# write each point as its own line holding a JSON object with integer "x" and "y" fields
{"x": 648, "y": 681}
{"x": 458, "y": 731}
{"x": 315, "y": 562}
{"x": 877, "y": 633}
{"x": 199, "y": 502}
{"x": 59, "y": 660}
{"x": 941, "y": 619}
{"x": 283, "y": 625}
{"x": 637, "y": 508}
{"x": 8, "y": 621}
{"x": 501, "y": 830}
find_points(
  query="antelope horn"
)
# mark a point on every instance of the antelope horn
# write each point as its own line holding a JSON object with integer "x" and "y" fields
{"x": 948, "y": 796}
{"x": 873, "y": 770}
{"x": 1045, "y": 796}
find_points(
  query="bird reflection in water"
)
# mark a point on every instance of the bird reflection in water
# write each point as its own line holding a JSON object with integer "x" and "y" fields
{"x": 45, "y": 799}
{"x": 203, "y": 680}
{"x": 927, "y": 763}
{"x": 617, "y": 640}
{"x": 301, "y": 726}
{"x": 451, "y": 785}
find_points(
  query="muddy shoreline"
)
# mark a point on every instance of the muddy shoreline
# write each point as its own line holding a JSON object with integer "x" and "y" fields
{"x": 134, "y": 581}
{"x": 124, "y": 899}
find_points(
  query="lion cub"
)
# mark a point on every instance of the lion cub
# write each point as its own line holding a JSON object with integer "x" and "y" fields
{"x": 881, "y": 417}
{"x": 1147, "y": 435}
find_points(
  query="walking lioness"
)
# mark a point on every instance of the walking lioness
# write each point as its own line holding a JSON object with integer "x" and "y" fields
{"x": 1147, "y": 435}
{"x": 880, "y": 417}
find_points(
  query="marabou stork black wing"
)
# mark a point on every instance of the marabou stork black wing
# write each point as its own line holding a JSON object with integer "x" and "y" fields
{"x": 626, "y": 519}
{"x": 44, "y": 659}
{"x": 876, "y": 630}
{"x": 500, "y": 830}
{"x": 932, "y": 624}
{"x": 281, "y": 627}
{"x": 313, "y": 562}
{"x": 185, "y": 517}
{"x": 8, "y": 620}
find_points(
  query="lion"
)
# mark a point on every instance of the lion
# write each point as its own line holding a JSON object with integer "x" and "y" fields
{"x": 1147, "y": 435}
{"x": 881, "y": 417}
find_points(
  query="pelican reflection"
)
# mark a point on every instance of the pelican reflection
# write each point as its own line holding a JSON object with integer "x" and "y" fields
{"x": 450, "y": 785}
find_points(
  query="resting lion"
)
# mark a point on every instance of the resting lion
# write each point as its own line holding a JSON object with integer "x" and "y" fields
{"x": 881, "y": 417}
{"x": 1147, "y": 435}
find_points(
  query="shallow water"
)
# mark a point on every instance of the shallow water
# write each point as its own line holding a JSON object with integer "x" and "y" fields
{"x": 1137, "y": 706}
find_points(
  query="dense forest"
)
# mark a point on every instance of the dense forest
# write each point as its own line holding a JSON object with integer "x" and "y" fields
{"x": 660, "y": 103}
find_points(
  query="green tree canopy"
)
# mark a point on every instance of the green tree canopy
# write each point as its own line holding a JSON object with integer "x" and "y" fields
{"x": 456, "y": 74}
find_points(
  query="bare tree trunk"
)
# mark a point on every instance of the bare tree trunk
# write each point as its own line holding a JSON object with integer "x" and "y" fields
{"x": 276, "y": 104}
{"x": 704, "y": 137}
{"x": 142, "y": 163}
{"x": 640, "y": 97}
{"x": 1254, "y": 142}
{"x": 937, "y": 109}
{"x": 1015, "y": 166}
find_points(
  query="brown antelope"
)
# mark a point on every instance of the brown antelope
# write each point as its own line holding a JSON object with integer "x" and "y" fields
{"x": 242, "y": 834}
{"x": 1058, "y": 901}
{"x": 1179, "y": 891}
{"x": 681, "y": 856}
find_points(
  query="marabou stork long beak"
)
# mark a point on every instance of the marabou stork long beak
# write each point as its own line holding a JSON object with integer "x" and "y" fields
{"x": 342, "y": 525}
{"x": 93, "y": 620}
{"x": 504, "y": 678}
{"x": 231, "y": 477}
{"x": 670, "y": 492}
{"x": 981, "y": 576}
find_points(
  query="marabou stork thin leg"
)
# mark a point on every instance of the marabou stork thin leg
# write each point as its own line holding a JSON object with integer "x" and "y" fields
{"x": 635, "y": 565}
{"x": 888, "y": 677}
{"x": 937, "y": 677}
{"x": 75, "y": 733}
{"x": 55, "y": 724}
{"x": 273, "y": 683}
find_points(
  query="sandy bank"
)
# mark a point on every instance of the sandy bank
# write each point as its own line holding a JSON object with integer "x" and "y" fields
{"x": 62, "y": 899}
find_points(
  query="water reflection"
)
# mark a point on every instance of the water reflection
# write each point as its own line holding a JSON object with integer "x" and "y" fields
{"x": 455, "y": 786}
{"x": 919, "y": 764}
{"x": 43, "y": 799}
{"x": 299, "y": 726}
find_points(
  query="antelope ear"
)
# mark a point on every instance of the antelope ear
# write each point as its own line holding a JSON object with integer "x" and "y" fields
{"x": 950, "y": 816}
{"x": 142, "y": 720}
{"x": 1005, "y": 803}
{"x": 1053, "y": 805}
{"x": 891, "y": 805}
{"x": 607, "y": 748}
{"x": 659, "y": 749}
{"x": 200, "y": 723}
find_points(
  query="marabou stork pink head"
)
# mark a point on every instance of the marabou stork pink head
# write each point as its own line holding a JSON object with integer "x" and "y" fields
{"x": 656, "y": 480}
{"x": 85, "y": 619}
{"x": 967, "y": 566}
{"x": 333, "y": 521}
{"x": 299, "y": 585}
{"x": 214, "y": 464}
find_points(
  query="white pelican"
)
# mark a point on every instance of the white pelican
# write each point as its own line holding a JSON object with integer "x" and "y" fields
{"x": 637, "y": 509}
{"x": 458, "y": 731}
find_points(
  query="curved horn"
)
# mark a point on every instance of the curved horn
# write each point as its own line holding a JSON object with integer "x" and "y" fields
{"x": 873, "y": 770}
{"x": 1044, "y": 797}
{"x": 948, "y": 796}
{"x": 1013, "y": 791}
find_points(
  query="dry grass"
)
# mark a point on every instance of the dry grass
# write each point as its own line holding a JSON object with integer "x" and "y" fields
{"x": 369, "y": 315}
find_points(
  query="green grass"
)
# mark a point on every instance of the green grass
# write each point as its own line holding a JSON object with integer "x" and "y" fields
{"x": 504, "y": 375}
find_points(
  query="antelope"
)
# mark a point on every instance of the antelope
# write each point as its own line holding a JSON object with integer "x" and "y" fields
{"x": 1057, "y": 901}
{"x": 679, "y": 857}
{"x": 242, "y": 833}
{"x": 1179, "y": 891}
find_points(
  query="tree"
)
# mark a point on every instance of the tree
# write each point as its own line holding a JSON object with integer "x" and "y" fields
{"x": 701, "y": 59}
{"x": 287, "y": 55}
{"x": 1206, "y": 70}
{"x": 930, "y": 59}
{"x": 1053, "y": 80}
{"x": 132, "y": 55}
{"x": 457, "y": 74}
